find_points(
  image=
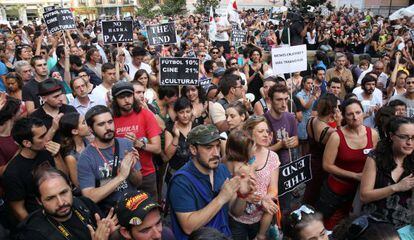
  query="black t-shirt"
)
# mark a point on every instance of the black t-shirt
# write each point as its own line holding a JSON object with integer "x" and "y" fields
{"x": 30, "y": 91}
{"x": 76, "y": 228}
{"x": 18, "y": 178}
{"x": 46, "y": 118}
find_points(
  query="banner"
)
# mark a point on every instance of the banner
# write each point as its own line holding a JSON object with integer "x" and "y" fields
{"x": 293, "y": 174}
{"x": 49, "y": 8}
{"x": 289, "y": 59}
{"x": 162, "y": 34}
{"x": 179, "y": 71}
{"x": 238, "y": 36}
{"x": 117, "y": 31}
{"x": 59, "y": 19}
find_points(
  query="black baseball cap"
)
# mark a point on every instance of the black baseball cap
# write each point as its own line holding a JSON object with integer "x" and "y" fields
{"x": 122, "y": 87}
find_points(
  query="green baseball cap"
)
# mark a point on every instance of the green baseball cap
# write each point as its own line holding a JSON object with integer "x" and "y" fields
{"x": 203, "y": 135}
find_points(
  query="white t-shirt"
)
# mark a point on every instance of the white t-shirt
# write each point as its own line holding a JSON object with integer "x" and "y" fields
{"x": 100, "y": 94}
{"x": 133, "y": 69}
{"x": 369, "y": 104}
{"x": 222, "y": 36}
{"x": 382, "y": 78}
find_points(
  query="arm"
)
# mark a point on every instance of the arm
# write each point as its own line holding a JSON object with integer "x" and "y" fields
{"x": 171, "y": 143}
{"x": 390, "y": 87}
{"x": 258, "y": 109}
{"x": 153, "y": 145}
{"x": 307, "y": 104}
{"x": 368, "y": 193}
{"x": 60, "y": 164}
{"x": 19, "y": 210}
{"x": 98, "y": 194}
{"x": 246, "y": 72}
{"x": 135, "y": 177}
{"x": 72, "y": 169}
{"x": 30, "y": 106}
{"x": 329, "y": 156}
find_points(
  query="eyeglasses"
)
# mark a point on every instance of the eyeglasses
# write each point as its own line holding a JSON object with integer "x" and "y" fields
{"x": 404, "y": 137}
{"x": 82, "y": 75}
{"x": 359, "y": 225}
{"x": 296, "y": 216}
{"x": 233, "y": 63}
{"x": 215, "y": 52}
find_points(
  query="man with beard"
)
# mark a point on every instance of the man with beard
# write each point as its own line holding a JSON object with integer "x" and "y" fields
{"x": 64, "y": 216}
{"x": 53, "y": 108}
{"x": 200, "y": 193}
{"x": 370, "y": 102}
{"x": 109, "y": 166}
{"x": 140, "y": 126}
{"x": 341, "y": 72}
{"x": 30, "y": 90}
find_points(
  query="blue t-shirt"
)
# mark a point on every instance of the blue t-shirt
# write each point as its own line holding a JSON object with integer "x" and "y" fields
{"x": 406, "y": 233}
{"x": 184, "y": 196}
{"x": 3, "y": 71}
{"x": 93, "y": 171}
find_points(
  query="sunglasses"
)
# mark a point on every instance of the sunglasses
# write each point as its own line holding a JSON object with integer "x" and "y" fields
{"x": 215, "y": 52}
{"x": 359, "y": 225}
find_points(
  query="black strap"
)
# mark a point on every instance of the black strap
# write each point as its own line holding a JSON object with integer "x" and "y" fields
{"x": 323, "y": 133}
{"x": 116, "y": 159}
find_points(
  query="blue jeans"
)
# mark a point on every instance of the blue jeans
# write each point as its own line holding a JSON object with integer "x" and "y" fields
{"x": 241, "y": 231}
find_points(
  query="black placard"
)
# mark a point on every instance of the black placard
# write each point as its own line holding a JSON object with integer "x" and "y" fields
{"x": 261, "y": 12}
{"x": 117, "y": 31}
{"x": 49, "y": 8}
{"x": 293, "y": 174}
{"x": 238, "y": 36}
{"x": 59, "y": 19}
{"x": 179, "y": 71}
{"x": 162, "y": 34}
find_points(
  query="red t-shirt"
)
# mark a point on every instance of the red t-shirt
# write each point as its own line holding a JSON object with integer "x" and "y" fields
{"x": 8, "y": 149}
{"x": 143, "y": 124}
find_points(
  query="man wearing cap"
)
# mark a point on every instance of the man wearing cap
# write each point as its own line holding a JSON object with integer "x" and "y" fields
{"x": 139, "y": 216}
{"x": 140, "y": 126}
{"x": 109, "y": 166}
{"x": 53, "y": 107}
{"x": 200, "y": 193}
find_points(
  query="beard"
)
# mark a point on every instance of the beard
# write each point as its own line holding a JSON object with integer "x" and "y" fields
{"x": 107, "y": 137}
{"x": 206, "y": 164}
{"x": 58, "y": 214}
{"x": 126, "y": 108}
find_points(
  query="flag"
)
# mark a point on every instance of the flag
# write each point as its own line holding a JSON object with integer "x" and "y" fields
{"x": 212, "y": 29}
{"x": 233, "y": 15}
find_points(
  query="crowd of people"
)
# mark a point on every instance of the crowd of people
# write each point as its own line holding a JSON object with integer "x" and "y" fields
{"x": 93, "y": 147}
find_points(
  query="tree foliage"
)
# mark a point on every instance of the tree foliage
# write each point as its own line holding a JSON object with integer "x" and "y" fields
{"x": 146, "y": 8}
{"x": 202, "y": 5}
{"x": 173, "y": 7}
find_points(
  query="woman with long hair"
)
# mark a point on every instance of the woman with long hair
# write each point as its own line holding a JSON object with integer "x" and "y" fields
{"x": 73, "y": 129}
{"x": 387, "y": 180}
{"x": 197, "y": 98}
{"x": 255, "y": 72}
{"x": 255, "y": 220}
{"x": 344, "y": 159}
{"x": 176, "y": 147}
{"x": 143, "y": 77}
{"x": 319, "y": 129}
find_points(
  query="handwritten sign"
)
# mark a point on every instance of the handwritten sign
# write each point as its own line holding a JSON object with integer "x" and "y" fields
{"x": 238, "y": 36}
{"x": 289, "y": 59}
{"x": 179, "y": 71}
{"x": 162, "y": 34}
{"x": 293, "y": 174}
{"x": 117, "y": 31}
{"x": 59, "y": 20}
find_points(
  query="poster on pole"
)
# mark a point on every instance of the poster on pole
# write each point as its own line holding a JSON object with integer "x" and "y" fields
{"x": 179, "y": 71}
{"x": 261, "y": 12}
{"x": 117, "y": 31}
{"x": 59, "y": 19}
{"x": 238, "y": 36}
{"x": 293, "y": 174}
{"x": 162, "y": 34}
{"x": 289, "y": 59}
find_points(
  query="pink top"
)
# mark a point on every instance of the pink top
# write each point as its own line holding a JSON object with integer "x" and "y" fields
{"x": 263, "y": 177}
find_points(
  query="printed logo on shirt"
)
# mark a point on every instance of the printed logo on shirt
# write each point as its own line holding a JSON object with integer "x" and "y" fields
{"x": 126, "y": 129}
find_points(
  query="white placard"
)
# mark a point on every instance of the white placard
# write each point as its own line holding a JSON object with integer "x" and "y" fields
{"x": 289, "y": 59}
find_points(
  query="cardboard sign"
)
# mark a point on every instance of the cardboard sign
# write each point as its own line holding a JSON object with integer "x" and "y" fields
{"x": 49, "y": 8}
{"x": 59, "y": 19}
{"x": 293, "y": 174}
{"x": 205, "y": 83}
{"x": 261, "y": 12}
{"x": 179, "y": 71}
{"x": 289, "y": 59}
{"x": 162, "y": 34}
{"x": 238, "y": 36}
{"x": 117, "y": 31}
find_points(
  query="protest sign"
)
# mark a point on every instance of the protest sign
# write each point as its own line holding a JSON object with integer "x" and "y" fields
{"x": 117, "y": 31}
{"x": 238, "y": 36}
{"x": 289, "y": 59}
{"x": 179, "y": 71}
{"x": 293, "y": 174}
{"x": 261, "y": 12}
{"x": 59, "y": 19}
{"x": 48, "y": 8}
{"x": 162, "y": 34}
